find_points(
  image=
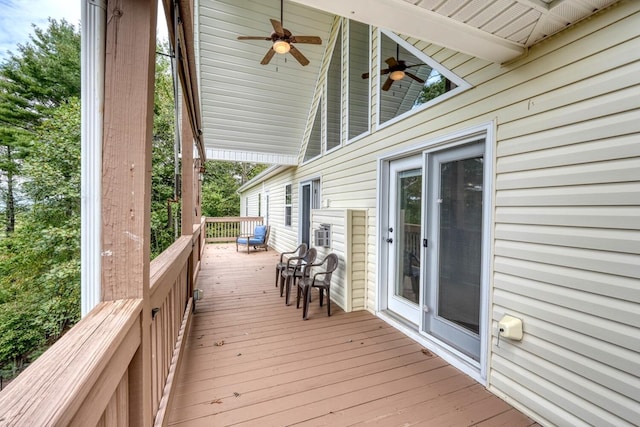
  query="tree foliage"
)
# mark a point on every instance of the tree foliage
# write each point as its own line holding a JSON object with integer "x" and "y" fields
{"x": 40, "y": 262}
{"x": 43, "y": 74}
{"x": 221, "y": 182}
{"x": 163, "y": 174}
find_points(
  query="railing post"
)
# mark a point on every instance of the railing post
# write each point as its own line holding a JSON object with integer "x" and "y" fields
{"x": 126, "y": 182}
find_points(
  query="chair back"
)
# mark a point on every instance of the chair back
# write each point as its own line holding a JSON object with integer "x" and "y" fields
{"x": 331, "y": 262}
{"x": 260, "y": 233}
{"x": 332, "y": 265}
{"x": 302, "y": 249}
{"x": 309, "y": 257}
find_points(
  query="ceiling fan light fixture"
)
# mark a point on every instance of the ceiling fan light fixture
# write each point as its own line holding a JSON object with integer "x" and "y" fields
{"x": 396, "y": 75}
{"x": 281, "y": 46}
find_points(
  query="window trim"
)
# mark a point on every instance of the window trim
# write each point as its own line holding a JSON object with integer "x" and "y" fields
{"x": 315, "y": 113}
{"x": 461, "y": 84}
{"x": 325, "y": 90}
{"x": 288, "y": 205}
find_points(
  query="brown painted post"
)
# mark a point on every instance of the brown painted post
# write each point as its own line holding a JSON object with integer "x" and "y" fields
{"x": 126, "y": 177}
{"x": 187, "y": 212}
{"x": 188, "y": 206}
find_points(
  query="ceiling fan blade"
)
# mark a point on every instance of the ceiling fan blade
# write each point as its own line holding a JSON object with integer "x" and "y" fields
{"x": 414, "y": 77}
{"x": 366, "y": 75}
{"x": 387, "y": 85}
{"x": 299, "y": 56}
{"x": 268, "y": 56}
{"x": 391, "y": 62}
{"x": 277, "y": 27}
{"x": 253, "y": 38}
{"x": 306, "y": 39}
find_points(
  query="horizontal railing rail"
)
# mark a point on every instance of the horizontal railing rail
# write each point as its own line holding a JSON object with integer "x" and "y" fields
{"x": 83, "y": 379}
{"x": 226, "y": 229}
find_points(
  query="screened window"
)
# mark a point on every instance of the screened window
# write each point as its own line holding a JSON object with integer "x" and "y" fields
{"x": 359, "y": 52}
{"x": 334, "y": 90}
{"x": 406, "y": 81}
{"x": 287, "y": 205}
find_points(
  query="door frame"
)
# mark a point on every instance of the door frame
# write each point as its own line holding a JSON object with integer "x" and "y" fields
{"x": 409, "y": 310}
{"x": 476, "y": 369}
{"x": 310, "y": 182}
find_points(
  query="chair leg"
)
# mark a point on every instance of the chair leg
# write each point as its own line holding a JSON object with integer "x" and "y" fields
{"x": 288, "y": 290}
{"x": 277, "y": 275}
{"x": 328, "y": 303}
{"x": 283, "y": 281}
{"x": 298, "y": 297}
{"x": 305, "y": 306}
{"x": 321, "y": 292}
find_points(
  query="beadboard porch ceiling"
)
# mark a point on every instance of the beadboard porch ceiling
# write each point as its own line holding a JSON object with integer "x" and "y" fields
{"x": 258, "y": 113}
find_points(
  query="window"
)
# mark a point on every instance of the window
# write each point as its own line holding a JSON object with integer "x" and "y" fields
{"x": 334, "y": 90}
{"x": 407, "y": 81}
{"x": 315, "y": 139}
{"x": 359, "y": 52}
{"x": 287, "y": 205}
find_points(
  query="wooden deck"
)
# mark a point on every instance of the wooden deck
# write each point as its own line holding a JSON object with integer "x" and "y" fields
{"x": 251, "y": 360}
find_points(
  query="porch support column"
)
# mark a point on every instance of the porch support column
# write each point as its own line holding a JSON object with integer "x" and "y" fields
{"x": 126, "y": 177}
{"x": 188, "y": 173}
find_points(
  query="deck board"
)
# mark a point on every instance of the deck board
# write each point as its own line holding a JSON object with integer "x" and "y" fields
{"x": 251, "y": 360}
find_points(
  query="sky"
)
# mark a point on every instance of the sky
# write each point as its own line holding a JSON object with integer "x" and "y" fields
{"x": 17, "y": 17}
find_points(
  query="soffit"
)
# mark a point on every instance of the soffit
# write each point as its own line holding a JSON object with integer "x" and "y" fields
{"x": 253, "y": 112}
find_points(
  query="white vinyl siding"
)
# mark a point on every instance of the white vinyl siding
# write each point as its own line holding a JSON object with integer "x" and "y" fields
{"x": 566, "y": 246}
{"x": 348, "y": 241}
{"x": 252, "y": 202}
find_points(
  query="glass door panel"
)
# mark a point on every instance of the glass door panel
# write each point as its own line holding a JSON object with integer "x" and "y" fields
{"x": 454, "y": 258}
{"x": 408, "y": 218}
{"x": 460, "y": 231}
{"x": 404, "y": 237}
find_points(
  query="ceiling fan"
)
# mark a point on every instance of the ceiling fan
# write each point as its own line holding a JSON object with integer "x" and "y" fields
{"x": 283, "y": 40}
{"x": 397, "y": 71}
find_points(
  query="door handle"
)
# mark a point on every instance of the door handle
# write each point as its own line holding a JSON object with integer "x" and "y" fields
{"x": 389, "y": 240}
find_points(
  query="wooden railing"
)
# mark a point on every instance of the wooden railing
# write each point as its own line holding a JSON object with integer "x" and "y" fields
{"x": 226, "y": 229}
{"x": 84, "y": 378}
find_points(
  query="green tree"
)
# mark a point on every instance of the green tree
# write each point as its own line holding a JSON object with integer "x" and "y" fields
{"x": 221, "y": 182}
{"x": 163, "y": 174}
{"x": 42, "y": 75}
{"x": 40, "y": 261}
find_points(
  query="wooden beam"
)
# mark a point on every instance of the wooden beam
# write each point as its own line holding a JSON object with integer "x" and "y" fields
{"x": 182, "y": 12}
{"x": 405, "y": 18}
{"x": 126, "y": 176}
